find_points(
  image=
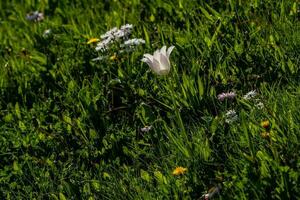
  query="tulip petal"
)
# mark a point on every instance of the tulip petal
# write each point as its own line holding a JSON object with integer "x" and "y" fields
{"x": 155, "y": 66}
{"x": 164, "y": 63}
{"x": 170, "y": 49}
{"x": 149, "y": 56}
{"x": 146, "y": 60}
{"x": 156, "y": 55}
{"x": 163, "y": 50}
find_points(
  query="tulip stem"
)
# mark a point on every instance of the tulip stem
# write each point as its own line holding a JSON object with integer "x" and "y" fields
{"x": 177, "y": 115}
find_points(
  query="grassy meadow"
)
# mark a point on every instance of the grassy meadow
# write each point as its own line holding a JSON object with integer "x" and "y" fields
{"x": 77, "y": 123}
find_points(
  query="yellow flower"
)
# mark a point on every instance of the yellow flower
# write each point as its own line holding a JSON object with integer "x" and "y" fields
{"x": 92, "y": 40}
{"x": 265, "y": 124}
{"x": 265, "y": 135}
{"x": 179, "y": 171}
{"x": 113, "y": 57}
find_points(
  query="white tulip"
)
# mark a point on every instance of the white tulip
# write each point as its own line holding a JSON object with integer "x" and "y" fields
{"x": 159, "y": 62}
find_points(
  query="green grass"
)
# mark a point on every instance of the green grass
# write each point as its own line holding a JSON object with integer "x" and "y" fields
{"x": 70, "y": 127}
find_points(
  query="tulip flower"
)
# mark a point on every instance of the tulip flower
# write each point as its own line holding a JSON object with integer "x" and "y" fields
{"x": 159, "y": 62}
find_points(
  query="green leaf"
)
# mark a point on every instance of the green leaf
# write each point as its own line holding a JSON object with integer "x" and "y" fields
{"x": 54, "y": 196}
{"x": 146, "y": 35}
{"x": 96, "y": 185}
{"x": 16, "y": 166}
{"x": 200, "y": 87}
{"x": 238, "y": 48}
{"x": 8, "y": 117}
{"x": 213, "y": 11}
{"x": 214, "y": 125}
{"x": 106, "y": 175}
{"x": 62, "y": 196}
{"x": 93, "y": 134}
{"x": 160, "y": 177}
{"x": 17, "y": 110}
{"x": 40, "y": 58}
{"x": 71, "y": 86}
{"x": 68, "y": 120}
{"x": 145, "y": 176}
{"x": 22, "y": 126}
{"x": 206, "y": 14}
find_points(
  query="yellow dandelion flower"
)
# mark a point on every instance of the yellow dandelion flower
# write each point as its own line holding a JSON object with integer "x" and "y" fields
{"x": 113, "y": 57}
{"x": 92, "y": 40}
{"x": 179, "y": 171}
{"x": 265, "y": 124}
{"x": 265, "y": 135}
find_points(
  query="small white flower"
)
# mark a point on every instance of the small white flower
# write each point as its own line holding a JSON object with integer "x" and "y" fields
{"x": 126, "y": 30}
{"x": 134, "y": 42}
{"x": 230, "y": 116}
{"x": 110, "y": 33}
{"x": 212, "y": 192}
{"x": 260, "y": 105}
{"x": 104, "y": 44}
{"x": 228, "y": 95}
{"x": 159, "y": 62}
{"x": 99, "y": 58}
{"x": 250, "y": 95}
{"x": 116, "y": 33}
{"x": 113, "y": 35}
{"x": 47, "y": 32}
{"x": 146, "y": 129}
{"x": 120, "y": 34}
{"x": 35, "y": 16}
{"x": 126, "y": 27}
